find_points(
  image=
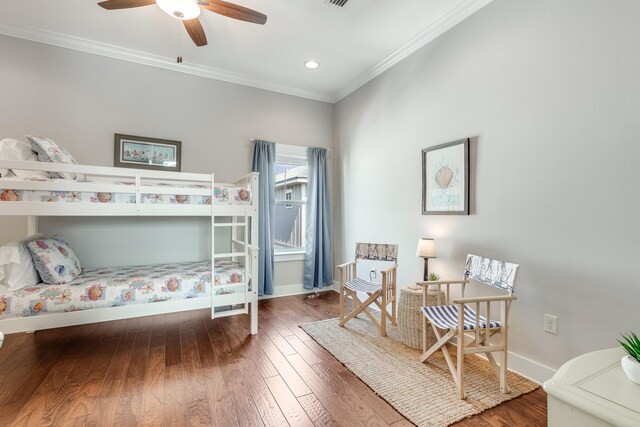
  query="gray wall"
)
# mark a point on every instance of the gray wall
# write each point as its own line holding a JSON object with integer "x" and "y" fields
{"x": 550, "y": 90}
{"x": 81, "y": 100}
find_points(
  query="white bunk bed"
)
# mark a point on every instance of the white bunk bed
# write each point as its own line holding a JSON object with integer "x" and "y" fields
{"x": 138, "y": 194}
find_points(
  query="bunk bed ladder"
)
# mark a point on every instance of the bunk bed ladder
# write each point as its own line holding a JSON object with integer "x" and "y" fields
{"x": 230, "y": 299}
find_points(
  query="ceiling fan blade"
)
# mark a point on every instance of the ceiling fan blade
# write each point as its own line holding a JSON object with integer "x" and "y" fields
{"x": 196, "y": 32}
{"x": 233, "y": 11}
{"x": 124, "y": 4}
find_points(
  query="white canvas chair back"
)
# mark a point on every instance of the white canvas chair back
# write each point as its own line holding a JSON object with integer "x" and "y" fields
{"x": 499, "y": 274}
{"x": 377, "y": 252}
{"x": 382, "y": 293}
{"x": 462, "y": 316}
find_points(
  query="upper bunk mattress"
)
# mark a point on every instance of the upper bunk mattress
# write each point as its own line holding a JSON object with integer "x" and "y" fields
{"x": 222, "y": 194}
{"x": 112, "y": 287}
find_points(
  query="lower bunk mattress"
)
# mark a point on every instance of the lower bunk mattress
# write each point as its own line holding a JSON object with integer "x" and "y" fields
{"x": 113, "y": 287}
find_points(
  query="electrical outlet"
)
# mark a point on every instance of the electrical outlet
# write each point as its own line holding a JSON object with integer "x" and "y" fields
{"x": 372, "y": 275}
{"x": 551, "y": 324}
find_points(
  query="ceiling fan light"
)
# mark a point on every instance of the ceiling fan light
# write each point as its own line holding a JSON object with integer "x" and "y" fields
{"x": 180, "y": 9}
{"x": 311, "y": 64}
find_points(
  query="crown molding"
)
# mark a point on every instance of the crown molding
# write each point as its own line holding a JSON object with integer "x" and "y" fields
{"x": 453, "y": 17}
{"x": 462, "y": 10}
{"x": 139, "y": 57}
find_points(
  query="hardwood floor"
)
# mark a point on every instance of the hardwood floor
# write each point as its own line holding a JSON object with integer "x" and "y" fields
{"x": 186, "y": 369}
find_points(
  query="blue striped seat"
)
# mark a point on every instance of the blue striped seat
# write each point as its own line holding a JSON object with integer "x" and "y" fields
{"x": 361, "y": 285}
{"x": 446, "y": 317}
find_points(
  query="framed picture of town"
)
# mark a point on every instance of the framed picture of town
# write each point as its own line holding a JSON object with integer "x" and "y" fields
{"x": 147, "y": 153}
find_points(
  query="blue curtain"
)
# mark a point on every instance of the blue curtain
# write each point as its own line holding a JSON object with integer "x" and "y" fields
{"x": 264, "y": 162}
{"x": 317, "y": 263}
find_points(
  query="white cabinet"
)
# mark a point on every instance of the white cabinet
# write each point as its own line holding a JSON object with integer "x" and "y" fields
{"x": 592, "y": 390}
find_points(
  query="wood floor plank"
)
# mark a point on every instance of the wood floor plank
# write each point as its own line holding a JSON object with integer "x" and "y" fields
{"x": 203, "y": 342}
{"x": 70, "y": 388}
{"x": 153, "y": 388}
{"x": 85, "y": 400}
{"x": 32, "y": 414}
{"x": 222, "y": 409}
{"x": 309, "y": 356}
{"x": 378, "y": 404}
{"x": 199, "y": 413}
{"x": 128, "y": 412}
{"x": 282, "y": 344}
{"x": 12, "y": 344}
{"x": 175, "y": 408}
{"x": 292, "y": 378}
{"x": 300, "y": 333}
{"x": 281, "y": 326}
{"x": 159, "y": 332}
{"x": 197, "y": 404}
{"x": 173, "y": 354}
{"x": 255, "y": 352}
{"x": 265, "y": 402}
{"x": 289, "y": 405}
{"x": 350, "y": 397}
{"x": 526, "y": 410}
{"x": 403, "y": 423}
{"x": 15, "y": 371}
{"x": 104, "y": 410}
{"x": 318, "y": 413}
{"x": 27, "y": 388}
{"x": 334, "y": 368}
{"x": 246, "y": 409}
{"x": 230, "y": 364}
{"x": 331, "y": 400}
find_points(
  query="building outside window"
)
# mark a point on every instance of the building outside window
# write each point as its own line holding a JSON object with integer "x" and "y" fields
{"x": 291, "y": 199}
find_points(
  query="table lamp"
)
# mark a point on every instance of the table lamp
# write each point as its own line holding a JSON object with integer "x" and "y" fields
{"x": 426, "y": 249}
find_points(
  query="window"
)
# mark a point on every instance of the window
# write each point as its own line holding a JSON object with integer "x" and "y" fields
{"x": 288, "y": 196}
{"x": 291, "y": 199}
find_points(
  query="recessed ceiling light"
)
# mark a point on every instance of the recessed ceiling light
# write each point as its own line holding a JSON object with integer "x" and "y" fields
{"x": 311, "y": 64}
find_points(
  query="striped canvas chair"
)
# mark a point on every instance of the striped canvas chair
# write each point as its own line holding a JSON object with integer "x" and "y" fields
{"x": 382, "y": 294}
{"x": 460, "y": 316}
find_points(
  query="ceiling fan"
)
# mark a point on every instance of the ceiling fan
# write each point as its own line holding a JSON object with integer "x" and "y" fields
{"x": 188, "y": 11}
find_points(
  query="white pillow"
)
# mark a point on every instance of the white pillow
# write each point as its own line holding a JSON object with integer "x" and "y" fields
{"x": 12, "y": 149}
{"x": 16, "y": 265}
{"x": 49, "y": 151}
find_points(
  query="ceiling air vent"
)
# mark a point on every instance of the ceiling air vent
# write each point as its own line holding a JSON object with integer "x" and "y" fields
{"x": 339, "y": 3}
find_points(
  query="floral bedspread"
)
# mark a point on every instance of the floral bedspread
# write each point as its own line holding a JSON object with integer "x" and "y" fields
{"x": 111, "y": 287}
{"x": 222, "y": 194}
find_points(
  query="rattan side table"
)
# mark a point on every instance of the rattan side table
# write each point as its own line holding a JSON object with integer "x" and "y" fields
{"x": 410, "y": 317}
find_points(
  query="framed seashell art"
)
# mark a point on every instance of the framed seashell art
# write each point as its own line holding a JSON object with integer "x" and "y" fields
{"x": 445, "y": 179}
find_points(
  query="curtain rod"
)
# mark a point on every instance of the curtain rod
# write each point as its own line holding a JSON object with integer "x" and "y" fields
{"x": 291, "y": 145}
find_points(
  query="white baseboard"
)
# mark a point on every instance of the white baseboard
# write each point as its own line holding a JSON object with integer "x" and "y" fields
{"x": 529, "y": 368}
{"x": 288, "y": 290}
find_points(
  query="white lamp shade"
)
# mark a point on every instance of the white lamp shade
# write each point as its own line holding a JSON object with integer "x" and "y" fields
{"x": 426, "y": 248}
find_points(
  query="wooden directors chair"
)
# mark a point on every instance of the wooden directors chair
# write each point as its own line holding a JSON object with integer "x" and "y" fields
{"x": 448, "y": 322}
{"x": 382, "y": 294}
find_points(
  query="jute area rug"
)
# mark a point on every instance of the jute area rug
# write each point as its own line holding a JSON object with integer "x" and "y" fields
{"x": 423, "y": 392}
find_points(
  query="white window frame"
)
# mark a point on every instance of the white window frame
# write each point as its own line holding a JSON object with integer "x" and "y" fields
{"x": 292, "y": 155}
